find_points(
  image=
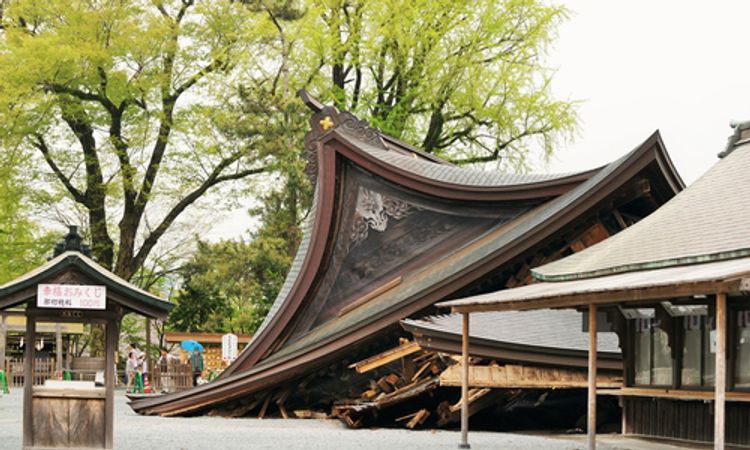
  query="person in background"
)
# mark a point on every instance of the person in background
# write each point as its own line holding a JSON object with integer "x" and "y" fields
{"x": 166, "y": 363}
{"x": 131, "y": 366}
{"x": 196, "y": 362}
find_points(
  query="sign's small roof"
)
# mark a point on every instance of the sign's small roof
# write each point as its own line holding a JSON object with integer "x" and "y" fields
{"x": 129, "y": 295}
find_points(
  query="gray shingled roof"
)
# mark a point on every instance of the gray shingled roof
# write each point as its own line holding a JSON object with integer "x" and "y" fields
{"x": 699, "y": 276}
{"x": 545, "y": 329}
{"x": 450, "y": 174}
{"x": 708, "y": 221}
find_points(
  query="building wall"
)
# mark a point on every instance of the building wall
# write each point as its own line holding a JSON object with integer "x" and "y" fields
{"x": 684, "y": 420}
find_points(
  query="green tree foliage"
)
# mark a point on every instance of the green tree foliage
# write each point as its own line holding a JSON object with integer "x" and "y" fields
{"x": 230, "y": 285}
{"x": 22, "y": 247}
{"x": 462, "y": 79}
{"x": 120, "y": 101}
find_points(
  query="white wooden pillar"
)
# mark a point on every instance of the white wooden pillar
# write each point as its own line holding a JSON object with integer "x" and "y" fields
{"x": 465, "y": 383}
{"x": 592, "y": 379}
{"x": 721, "y": 371}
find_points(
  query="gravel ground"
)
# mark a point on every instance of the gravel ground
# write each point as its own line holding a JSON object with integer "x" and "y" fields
{"x": 139, "y": 432}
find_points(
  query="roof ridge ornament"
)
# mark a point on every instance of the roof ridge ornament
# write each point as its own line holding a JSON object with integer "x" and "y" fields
{"x": 72, "y": 242}
{"x": 740, "y": 136}
{"x": 327, "y": 119}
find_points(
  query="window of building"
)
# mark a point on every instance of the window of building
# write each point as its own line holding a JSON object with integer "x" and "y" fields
{"x": 697, "y": 358}
{"x": 653, "y": 355}
{"x": 742, "y": 364}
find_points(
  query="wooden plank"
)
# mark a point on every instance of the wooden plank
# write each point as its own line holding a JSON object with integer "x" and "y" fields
{"x": 676, "y": 394}
{"x": 721, "y": 371}
{"x": 263, "y": 409}
{"x": 421, "y": 370}
{"x": 591, "y": 427}
{"x": 308, "y": 414}
{"x": 86, "y": 423}
{"x": 418, "y": 419}
{"x": 512, "y": 376}
{"x": 50, "y": 426}
{"x": 386, "y": 357}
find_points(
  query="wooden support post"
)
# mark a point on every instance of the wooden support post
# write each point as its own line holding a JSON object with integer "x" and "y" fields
{"x": 721, "y": 369}
{"x": 110, "y": 347}
{"x": 3, "y": 341}
{"x": 465, "y": 384}
{"x": 592, "y": 378}
{"x": 149, "y": 356}
{"x": 58, "y": 349}
{"x": 28, "y": 379}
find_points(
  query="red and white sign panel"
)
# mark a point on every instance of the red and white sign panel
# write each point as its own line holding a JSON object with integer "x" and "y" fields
{"x": 71, "y": 296}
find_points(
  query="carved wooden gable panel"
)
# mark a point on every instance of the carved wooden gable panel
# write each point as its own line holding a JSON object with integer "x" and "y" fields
{"x": 384, "y": 232}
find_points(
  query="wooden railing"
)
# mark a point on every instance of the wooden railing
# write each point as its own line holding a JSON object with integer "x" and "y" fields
{"x": 172, "y": 377}
{"x": 44, "y": 369}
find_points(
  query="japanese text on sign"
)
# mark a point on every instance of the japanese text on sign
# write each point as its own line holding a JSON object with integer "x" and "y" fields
{"x": 229, "y": 347}
{"x": 71, "y": 296}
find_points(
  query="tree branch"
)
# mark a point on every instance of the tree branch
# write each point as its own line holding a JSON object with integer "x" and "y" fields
{"x": 41, "y": 145}
{"x": 214, "y": 179}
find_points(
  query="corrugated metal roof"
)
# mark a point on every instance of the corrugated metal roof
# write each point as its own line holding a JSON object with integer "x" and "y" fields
{"x": 705, "y": 222}
{"x": 544, "y": 328}
{"x": 712, "y": 272}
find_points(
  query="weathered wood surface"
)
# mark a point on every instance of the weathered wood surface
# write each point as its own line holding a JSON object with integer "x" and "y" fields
{"x": 592, "y": 379}
{"x": 684, "y": 420}
{"x": 86, "y": 423}
{"x": 68, "y": 422}
{"x": 381, "y": 359}
{"x": 50, "y": 422}
{"x": 676, "y": 394}
{"x": 518, "y": 376}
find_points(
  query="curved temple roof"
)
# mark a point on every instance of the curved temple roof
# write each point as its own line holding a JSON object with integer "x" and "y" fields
{"x": 513, "y": 213}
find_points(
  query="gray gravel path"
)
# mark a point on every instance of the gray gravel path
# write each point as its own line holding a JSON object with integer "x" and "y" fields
{"x": 138, "y": 432}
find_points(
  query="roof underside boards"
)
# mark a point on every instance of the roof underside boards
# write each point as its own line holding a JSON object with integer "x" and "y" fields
{"x": 729, "y": 276}
{"x": 700, "y": 224}
{"x": 137, "y": 299}
{"x": 539, "y": 330}
{"x": 418, "y": 288}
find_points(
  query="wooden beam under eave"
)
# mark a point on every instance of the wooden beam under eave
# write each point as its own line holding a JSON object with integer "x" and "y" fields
{"x": 657, "y": 293}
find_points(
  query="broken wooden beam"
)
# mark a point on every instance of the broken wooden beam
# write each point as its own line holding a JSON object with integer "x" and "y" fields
{"x": 518, "y": 376}
{"x": 386, "y": 357}
{"x": 418, "y": 418}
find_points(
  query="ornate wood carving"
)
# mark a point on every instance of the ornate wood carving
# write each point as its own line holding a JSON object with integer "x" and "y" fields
{"x": 330, "y": 118}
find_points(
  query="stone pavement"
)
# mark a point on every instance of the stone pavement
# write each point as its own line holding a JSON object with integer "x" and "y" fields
{"x": 139, "y": 432}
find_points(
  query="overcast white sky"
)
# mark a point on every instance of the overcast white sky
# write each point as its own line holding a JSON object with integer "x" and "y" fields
{"x": 678, "y": 66}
